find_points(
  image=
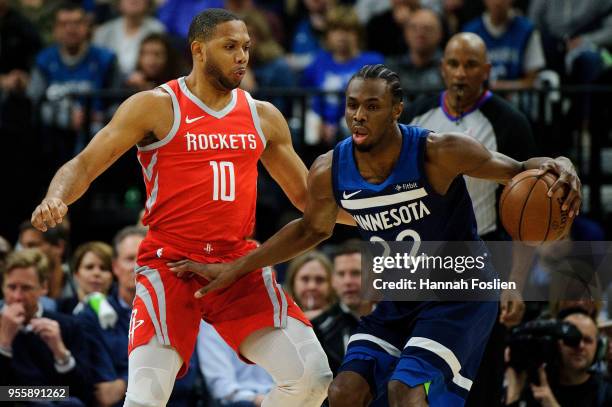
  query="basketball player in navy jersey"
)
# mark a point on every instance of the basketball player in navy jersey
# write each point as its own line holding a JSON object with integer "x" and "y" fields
{"x": 403, "y": 353}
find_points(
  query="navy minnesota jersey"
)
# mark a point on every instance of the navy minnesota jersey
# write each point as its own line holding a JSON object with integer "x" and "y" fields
{"x": 404, "y": 206}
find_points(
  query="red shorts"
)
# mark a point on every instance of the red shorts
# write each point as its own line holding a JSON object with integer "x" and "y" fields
{"x": 164, "y": 305}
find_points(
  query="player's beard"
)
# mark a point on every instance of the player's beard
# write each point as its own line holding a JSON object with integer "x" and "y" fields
{"x": 363, "y": 148}
{"x": 213, "y": 70}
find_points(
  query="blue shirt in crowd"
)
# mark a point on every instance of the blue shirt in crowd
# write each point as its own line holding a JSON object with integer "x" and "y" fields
{"x": 507, "y": 51}
{"x": 177, "y": 14}
{"x": 327, "y": 74}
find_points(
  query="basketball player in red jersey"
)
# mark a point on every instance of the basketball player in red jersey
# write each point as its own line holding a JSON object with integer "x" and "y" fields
{"x": 199, "y": 139}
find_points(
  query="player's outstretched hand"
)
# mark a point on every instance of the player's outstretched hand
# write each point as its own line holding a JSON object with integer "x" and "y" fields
{"x": 49, "y": 213}
{"x": 567, "y": 175}
{"x": 219, "y": 275}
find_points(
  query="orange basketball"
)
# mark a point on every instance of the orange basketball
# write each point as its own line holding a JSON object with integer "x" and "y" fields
{"x": 528, "y": 213}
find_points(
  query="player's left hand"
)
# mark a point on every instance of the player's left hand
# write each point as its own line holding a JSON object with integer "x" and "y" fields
{"x": 512, "y": 308}
{"x": 219, "y": 275}
{"x": 566, "y": 175}
{"x": 543, "y": 393}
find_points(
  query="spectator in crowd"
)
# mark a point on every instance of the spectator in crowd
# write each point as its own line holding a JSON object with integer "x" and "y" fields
{"x": 54, "y": 244}
{"x": 420, "y": 66}
{"x": 176, "y": 15}
{"x": 563, "y": 273}
{"x": 514, "y": 45}
{"x": 230, "y": 381}
{"x": 368, "y": 9}
{"x": 273, "y": 22}
{"x": 309, "y": 33}
{"x": 72, "y": 65}
{"x": 334, "y": 326}
{"x": 558, "y": 309}
{"x": 111, "y": 338}
{"x": 384, "y": 31}
{"x": 158, "y": 62}
{"x": 308, "y": 281}
{"x": 39, "y": 347}
{"x": 92, "y": 273}
{"x": 571, "y": 32}
{"x": 124, "y": 34}
{"x": 40, "y": 14}
{"x": 331, "y": 71}
{"x": 456, "y": 13}
{"x": 111, "y": 356}
{"x": 19, "y": 43}
{"x": 574, "y": 284}
{"x": 605, "y": 327}
{"x": 569, "y": 381}
{"x": 5, "y": 250}
{"x": 467, "y": 106}
{"x": 267, "y": 66}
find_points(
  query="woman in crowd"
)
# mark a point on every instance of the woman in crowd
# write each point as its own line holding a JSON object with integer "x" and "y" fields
{"x": 158, "y": 62}
{"x": 124, "y": 34}
{"x": 309, "y": 283}
{"x": 92, "y": 273}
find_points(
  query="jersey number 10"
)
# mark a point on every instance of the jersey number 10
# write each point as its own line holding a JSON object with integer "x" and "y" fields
{"x": 224, "y": 181}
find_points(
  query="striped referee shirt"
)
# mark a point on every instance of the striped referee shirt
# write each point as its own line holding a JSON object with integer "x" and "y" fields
{"x": 495, "y": 124}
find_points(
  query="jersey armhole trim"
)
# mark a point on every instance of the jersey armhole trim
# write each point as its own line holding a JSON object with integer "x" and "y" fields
{"x": 255, "y": 115}
{"x": 175, "y": 125}
{"x": 335, "y": 159}
{"x": 422, "y": 146}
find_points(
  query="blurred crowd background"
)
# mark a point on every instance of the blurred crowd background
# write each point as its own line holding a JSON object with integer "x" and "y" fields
{"x": 65, "y": 67}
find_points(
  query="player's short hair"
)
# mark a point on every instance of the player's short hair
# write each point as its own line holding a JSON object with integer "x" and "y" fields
{"x": 203, "y": 25}
{"x": 380, "y": 71}
{"x": 125, "y": 233}
{"x": 28, "y": 258}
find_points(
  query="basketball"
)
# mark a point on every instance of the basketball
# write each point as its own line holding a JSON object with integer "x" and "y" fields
{"x": 527, "y": 212}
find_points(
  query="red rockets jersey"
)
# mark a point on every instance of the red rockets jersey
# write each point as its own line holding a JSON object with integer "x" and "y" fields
{"x": 201, "y": 179}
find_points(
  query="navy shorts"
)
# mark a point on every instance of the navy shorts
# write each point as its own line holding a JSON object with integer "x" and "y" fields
{"x": 437, "y": 344}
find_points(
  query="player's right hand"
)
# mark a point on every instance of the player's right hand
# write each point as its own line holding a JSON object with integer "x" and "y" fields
{"x": 49, "y": 213}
